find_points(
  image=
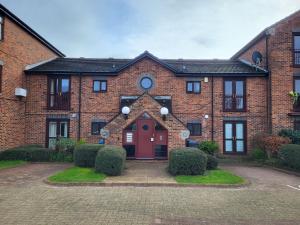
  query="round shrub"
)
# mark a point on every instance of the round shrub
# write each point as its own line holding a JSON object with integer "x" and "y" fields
{"x": 187, "y": 161}
{"x": 110, "y": 160}
{"x": 212, "y": 162}
{"x": 289, "y": 155}
{"x": 85, "y": 154}
{"x": 209, "y": 147}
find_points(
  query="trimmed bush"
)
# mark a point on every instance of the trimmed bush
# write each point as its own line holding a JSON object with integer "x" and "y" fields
{"x": 110, "y": 160}
{"x": 209, "y": 147}
{"x": 33, "y": 153}
{"x": 291, "y": 134}
{"x": 212, "y": 162}
{"x": 187, "y": 161}
{"x": 85, "y": 154}
{"x": 65, "y": 144}
{"x": 289, "y": 155}
{"x": 258, "y": 154}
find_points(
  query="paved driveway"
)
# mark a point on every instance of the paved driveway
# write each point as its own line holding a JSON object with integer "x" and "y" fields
{"x": 25, "y": 199}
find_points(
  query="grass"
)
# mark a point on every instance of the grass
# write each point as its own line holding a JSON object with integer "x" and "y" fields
{"x": 218, "y": 176}
{"x": 77, "y": 174}
{"x": 11, "y": 163}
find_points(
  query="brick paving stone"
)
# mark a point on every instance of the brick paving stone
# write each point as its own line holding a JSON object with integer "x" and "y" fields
{"x": 266, "y": 201}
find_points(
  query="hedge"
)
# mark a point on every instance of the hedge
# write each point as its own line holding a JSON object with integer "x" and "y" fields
{"x": 35, "y": 153}
{"x": 289, "y": 155}
{"x": 187, "y": 161}
{"x": 85, "y": 154}
{"x": 212, "y": 162}
{"x": 110, "y": 160}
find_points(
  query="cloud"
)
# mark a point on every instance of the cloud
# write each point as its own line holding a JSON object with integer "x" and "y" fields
{"x": 168, "y": 29}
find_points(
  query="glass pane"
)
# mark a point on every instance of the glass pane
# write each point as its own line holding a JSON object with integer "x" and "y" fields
{"x": 146, "y": 83}
{"x": 297, "y": 42}
{"x": 103, "y": 86}
{"x": 239, "y": 146}
{"x": 189, "y": 86}
{"x": 52, "y": 129}
{"x": 228, "y": 88}
{"x": 228, "y": 102}
{"x": 95, "y": 128}
{"x": 297, "y": 86}
{"x": 239, "y": 131}
{"x": 52, "y": 100}
{"x": 64, "y": 129}
{"x": 239, "y": 103}
{"x": 197, "y": 87}
{"x": 1, "y": 19}
{"x": 228, "y": 146}
{"x": 52, "y": 143}
{"x": 239, "y": 88}
{"x": 52, "y": 86}
{"x": 228, "y": 131}
{"x": 96, "y": 85}
{"x": 65, "y": 85}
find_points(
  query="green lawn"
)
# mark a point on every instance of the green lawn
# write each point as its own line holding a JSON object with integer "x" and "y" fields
{"x": 211, "y": 177}
{"x": 11, "y": 163}
{"x": 77, "y": 174}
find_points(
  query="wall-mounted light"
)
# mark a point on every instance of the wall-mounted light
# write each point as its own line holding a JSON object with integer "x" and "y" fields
{"x": 125, "y": 111}
{"x": 164, "y": 111}
{"x": 206, "y": 116}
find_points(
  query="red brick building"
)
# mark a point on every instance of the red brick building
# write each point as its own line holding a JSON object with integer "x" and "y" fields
{"x": 151, "y": 105}
{"x": 19, "y": 47}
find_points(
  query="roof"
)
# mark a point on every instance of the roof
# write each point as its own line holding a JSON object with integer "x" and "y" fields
{"x": 261, "y": 35}
{"x": 112, "y": 67}
{"x": 18, "y": 21}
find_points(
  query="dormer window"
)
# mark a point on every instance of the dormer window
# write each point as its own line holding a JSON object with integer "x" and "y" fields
{"x": 296, "y": 53}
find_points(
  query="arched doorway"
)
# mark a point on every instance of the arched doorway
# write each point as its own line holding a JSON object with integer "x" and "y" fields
{"x": 145, "y": 138}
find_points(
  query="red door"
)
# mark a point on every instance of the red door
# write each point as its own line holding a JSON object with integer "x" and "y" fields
{"x": 145, "y": 143}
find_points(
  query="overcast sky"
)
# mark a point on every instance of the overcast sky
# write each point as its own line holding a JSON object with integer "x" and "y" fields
{"x": 166, "y": 28}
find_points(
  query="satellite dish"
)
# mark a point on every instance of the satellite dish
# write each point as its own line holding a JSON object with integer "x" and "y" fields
{"x": 257, "y": 57}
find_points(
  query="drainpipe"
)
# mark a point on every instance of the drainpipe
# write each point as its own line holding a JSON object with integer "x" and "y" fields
{"x": 212, "y": 108}
{"x": 79, "y": 109}
{"x": 269, "y": 89}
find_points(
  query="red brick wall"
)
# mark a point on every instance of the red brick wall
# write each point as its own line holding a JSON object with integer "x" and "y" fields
{"x": 186, "y": 107}
{"x": 17, "y": 50}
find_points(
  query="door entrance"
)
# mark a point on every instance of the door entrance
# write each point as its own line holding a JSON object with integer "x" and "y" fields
{"x": 235, "y": 137}
{"x": 56, "y": 128}
{"x": 145, "y": 142}
{"x": 145, "y": 138}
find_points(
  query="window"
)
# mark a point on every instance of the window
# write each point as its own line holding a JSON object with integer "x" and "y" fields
{"x": 146, "y": 83}
{"x": 1, "y": 27}
{"x": 100, "y": 86}
{"x": 195, "y": 129}
{"x": 59, "y": 93}
{"x": 97, "y": 126}
{"x": 193, "y": 87}
{"x": 234, "y": 95}
{"x": 296, "y": 44}
{"x": 297, "y": 125}
{"x": 297, "y": 89}
{"x": 56, "y": 129}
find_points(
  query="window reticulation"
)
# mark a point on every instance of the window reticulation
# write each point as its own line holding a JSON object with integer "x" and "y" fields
{"x": 193, "y": 87}
{"x": 234, "y": 95}
{"x": 195, "y": 129}
{"x": 100, "y": 86}
{"x": 97, "y": 126}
